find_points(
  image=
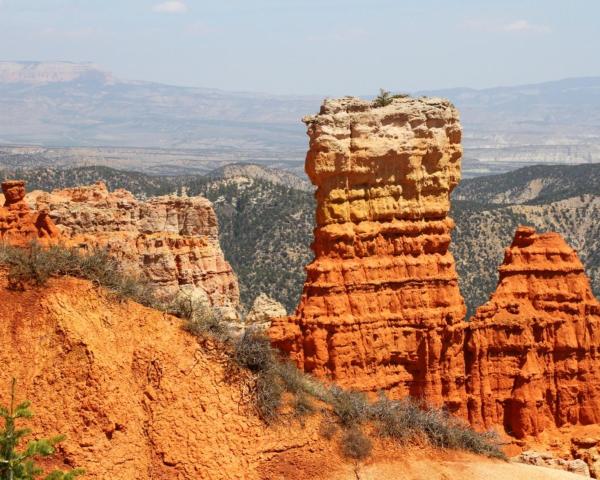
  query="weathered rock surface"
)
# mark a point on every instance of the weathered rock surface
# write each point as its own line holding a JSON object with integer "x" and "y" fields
{"x": 264, "y": 310}
{"x": 587, "y": 450}
{"x": 19, "y": 225}
{"x": 533, "y": 351}
{"x": 172, "y": 240}
{"x": 544, "y": 459}
{"x": 381, "y": 308}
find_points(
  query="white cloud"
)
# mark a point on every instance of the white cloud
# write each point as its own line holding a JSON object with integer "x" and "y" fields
{"x": 525, "y": 26}
{"x": 515, "y": 26}
{"x": 172, "y": 6}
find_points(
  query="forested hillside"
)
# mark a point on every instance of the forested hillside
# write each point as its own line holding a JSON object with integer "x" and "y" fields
{"x": 266, "y": 228}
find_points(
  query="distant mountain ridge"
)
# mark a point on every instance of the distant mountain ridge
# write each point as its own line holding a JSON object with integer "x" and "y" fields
{"x": 61, "y": 104}
{"x": 533, "y": 184}
{"x": 260, "y": 172}
{"x": 43, "y": 73}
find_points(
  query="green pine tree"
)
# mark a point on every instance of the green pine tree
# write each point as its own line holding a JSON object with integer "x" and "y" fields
{"x": 20, "y": 464}
{"x": 384, "y": 98}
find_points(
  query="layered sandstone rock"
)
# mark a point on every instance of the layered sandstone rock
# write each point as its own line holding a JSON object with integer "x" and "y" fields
{"x": 381, "y": 308}
{"x": 19, "y": 225}
{"x": 533, "y": 350}
{"x": 172, "y": 240}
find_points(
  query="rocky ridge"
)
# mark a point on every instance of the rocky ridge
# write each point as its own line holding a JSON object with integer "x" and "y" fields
{"x": 171, "y": 240}
{"x": 381, "y": 307}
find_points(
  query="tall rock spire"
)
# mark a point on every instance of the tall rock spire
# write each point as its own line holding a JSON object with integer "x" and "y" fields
{"x": 381, "y": 308}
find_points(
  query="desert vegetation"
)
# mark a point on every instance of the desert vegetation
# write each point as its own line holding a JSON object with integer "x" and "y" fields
{"x": 280, "y": 389}
{"x": 35, "y": 264}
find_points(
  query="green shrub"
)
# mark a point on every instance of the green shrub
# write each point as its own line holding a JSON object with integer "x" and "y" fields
{"x": 268, "y": 396}
{"x": 294, "y": 380}
{"x": 395, "y": 419}
{"x": 302, "y": 405}
{"x": 21, "y": 465}
{"x": 385, "y": 98}
{"x": 405, "y": 420}
{"x": 200, "y": 319}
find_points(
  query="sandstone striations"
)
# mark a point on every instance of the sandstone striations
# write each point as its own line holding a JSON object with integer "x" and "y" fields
{"x": 381, "y": 308}
{"x": 172, "y": 240}
{"x": 533, "y": 350}
{"x": 19, "y": 225}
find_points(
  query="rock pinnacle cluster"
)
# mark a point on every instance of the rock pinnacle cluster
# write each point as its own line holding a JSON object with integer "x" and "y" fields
{"x": 381, "y": 309}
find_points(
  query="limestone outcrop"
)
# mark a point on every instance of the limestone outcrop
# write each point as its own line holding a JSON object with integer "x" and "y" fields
{"x": 172, "y": 240}
{"x": 533, "y": 350}
{"x": 264, "y": 309}
{"x": 19, "y": 225}
{"x": 381, "y": 308}
{"x": 544, "y": 459}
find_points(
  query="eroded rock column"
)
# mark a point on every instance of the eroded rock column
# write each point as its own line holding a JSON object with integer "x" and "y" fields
{"x": 19, "y": 225}
{"x": 381, "y": 308}
{"x": 533, "y": 350}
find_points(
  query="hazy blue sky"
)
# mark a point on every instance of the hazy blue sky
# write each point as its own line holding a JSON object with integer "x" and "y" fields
{"x": 310, "y": 46}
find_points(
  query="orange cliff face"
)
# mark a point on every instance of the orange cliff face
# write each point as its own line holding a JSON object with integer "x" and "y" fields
{"x": 173, "y": 241}
{"x": 381, "y": 308}
{"x": 533, "y": 350}
{"x": 19, "y": 225}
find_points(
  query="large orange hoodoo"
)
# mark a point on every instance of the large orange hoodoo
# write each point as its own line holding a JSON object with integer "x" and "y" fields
{"x": 381, "y": 308}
